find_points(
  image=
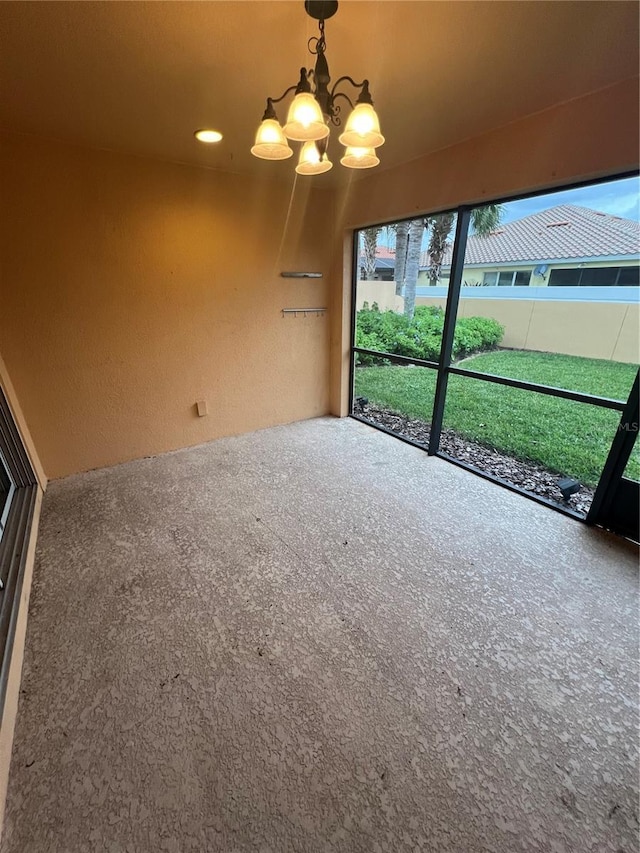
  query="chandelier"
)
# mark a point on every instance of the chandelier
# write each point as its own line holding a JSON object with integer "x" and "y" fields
{"x": 314, "y": 108}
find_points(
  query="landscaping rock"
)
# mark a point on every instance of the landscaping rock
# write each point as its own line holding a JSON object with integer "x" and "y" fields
{"x": 527, "y": 475}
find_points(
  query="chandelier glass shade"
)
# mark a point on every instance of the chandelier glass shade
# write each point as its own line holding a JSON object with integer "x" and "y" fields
{"x": 314, "y": 108}
{"x": 359, "y": 158}
{"x": 363, "y": 128}
{"x": 313, "y": 161}
{"x": 271, "y": 143}
{"x": 305, "y": 120}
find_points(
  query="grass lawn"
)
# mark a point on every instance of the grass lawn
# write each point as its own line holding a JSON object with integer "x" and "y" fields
{"x": 566, "y": 437}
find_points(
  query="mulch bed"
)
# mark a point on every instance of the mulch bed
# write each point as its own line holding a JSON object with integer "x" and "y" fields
{"x": 527, "y": 475}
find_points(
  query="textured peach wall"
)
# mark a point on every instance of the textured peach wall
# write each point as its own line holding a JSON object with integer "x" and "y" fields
{"x": 133, "y": 288}
{"x": 585, "y": 138}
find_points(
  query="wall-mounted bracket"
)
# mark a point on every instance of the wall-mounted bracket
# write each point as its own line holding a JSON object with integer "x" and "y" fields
{"x": 304, "y": 311}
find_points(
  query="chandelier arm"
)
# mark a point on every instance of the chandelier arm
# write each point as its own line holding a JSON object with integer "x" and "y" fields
{"x": 351, "y": 80}
{"x": 270, "y": 112}
{"x": 306, "y": 120}
{"x": 282, "y": 96}
{"x": 340, "y": 95}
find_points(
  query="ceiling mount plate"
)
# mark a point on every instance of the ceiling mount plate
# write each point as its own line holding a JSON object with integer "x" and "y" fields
{"x": 321, "y": 9}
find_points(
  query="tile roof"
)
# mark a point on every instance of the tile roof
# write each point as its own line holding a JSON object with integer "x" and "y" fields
{"x": 563, "y": 232}
{"x": 386, "y": 263}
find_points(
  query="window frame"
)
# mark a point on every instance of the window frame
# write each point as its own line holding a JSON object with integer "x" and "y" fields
{"x": 513, "y": 273}
{"x": 6, "y": 507}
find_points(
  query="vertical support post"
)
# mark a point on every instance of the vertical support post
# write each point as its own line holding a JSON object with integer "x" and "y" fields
{"x": 353, "y": 312}
{"x": 618, "y": 457}
{"x": 451, "y": 313}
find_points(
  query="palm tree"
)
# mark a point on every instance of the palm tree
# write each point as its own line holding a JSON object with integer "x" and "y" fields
{"x": 484, "y": 220}
{"x": 412, "y": 264}
{"x": 369, "y": 243}
{"x": 402, "y": 233}
{"x": 440, "y": 230}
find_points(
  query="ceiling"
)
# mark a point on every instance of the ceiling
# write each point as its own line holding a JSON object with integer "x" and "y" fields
{"x": 141, "y": 77}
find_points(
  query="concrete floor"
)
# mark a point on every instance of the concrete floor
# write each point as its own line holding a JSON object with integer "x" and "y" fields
{"x": 316, "y": 638}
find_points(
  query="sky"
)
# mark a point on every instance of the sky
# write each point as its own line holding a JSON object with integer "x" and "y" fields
{"x": 619, "y": 198}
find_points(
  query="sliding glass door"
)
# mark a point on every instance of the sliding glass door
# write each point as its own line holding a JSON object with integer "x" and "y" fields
{"x": 7, "y": 489}
{"x": 18, "y": 492}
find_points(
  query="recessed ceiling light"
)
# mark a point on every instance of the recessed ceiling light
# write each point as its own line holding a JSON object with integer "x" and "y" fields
{"x": 208, "y": 135}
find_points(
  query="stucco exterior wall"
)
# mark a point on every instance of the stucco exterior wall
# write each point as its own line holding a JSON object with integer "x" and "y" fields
{"x": 383, "y": 293}
{"x": 590, "y": 329}
{"x": 133, "y": 288}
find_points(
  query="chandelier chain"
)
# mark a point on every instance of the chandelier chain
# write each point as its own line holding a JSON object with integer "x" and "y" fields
{"x": 317, "y": 44}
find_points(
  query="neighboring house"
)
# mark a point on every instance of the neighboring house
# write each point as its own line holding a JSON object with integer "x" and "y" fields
{"x": 385, "y": 264}
{"x": 565, "y": 246}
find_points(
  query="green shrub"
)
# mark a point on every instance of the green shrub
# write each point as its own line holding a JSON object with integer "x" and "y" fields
{"x": 386, "y": 331}
{"x": 367, "y": 340}
{"x": 476, "y": 334}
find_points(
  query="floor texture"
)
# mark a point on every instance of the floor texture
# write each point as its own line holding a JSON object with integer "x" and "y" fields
{"x": 316, "y": 638}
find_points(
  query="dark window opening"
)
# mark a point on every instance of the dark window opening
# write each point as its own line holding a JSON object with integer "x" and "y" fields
{"x": 595, "y": 277}
{"x": 564, "y": 278}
